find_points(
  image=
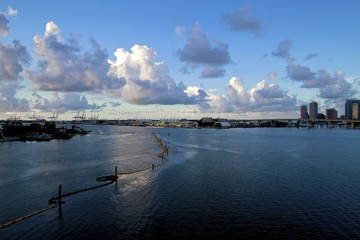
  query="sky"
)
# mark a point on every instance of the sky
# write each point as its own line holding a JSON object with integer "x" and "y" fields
{"x": 165, "y": 59}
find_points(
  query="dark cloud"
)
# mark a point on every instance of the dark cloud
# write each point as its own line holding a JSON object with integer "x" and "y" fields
{"x": 242, "y": 21}
{"x": 4, "y": 28}
{"x": 272, "y": 91}
{"x": 283, "y": 49}
{"x": 311, "y": 56}
{"x": 12, "y": 58}
{"x": 9, "y": 102}
{"x": 297, "y": 72}
{"x": 212, "y": 72}
{"x": 64, "y": 102}
{"x": 199, "y": 51}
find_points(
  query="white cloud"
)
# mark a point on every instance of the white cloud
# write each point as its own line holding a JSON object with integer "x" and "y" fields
{"x": 237, "y": 92}
{"x": 265, "y": 96}
{"x": 11, "y": 11}
{"x": 147, "y": 81}
{"x": 179, "y": 30}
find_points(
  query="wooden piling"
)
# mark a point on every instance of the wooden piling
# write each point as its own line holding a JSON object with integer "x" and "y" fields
{"x": 59, "y": 194}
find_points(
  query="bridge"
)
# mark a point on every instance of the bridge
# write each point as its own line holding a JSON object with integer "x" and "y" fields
{"x": 296, "y": 122}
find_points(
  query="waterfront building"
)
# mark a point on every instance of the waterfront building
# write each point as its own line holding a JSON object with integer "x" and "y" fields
{"x": 304, "y": 112}
{"x": 313, "y": 110}
{"x": 352, "y": 105}
{"x": 356, "y": 111}
{"x": 331, "y": 113}
{"x": 321, "y": 116}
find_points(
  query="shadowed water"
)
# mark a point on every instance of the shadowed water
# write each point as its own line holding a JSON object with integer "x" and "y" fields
{"x": 228, "y": 184}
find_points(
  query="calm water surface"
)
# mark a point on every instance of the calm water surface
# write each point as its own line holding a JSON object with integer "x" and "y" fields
{"x": 228, "y": 184}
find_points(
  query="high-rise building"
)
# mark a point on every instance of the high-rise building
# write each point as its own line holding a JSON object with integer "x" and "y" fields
{"x": 304, "y": 112}
{"x": 331, "y": 113}
{"x": 313, "y": 110}
{"x": 349, "y": 108}
{"x": 356, "y": 111}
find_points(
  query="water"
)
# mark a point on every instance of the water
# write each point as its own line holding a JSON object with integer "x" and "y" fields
{"x": 228, "y": 184}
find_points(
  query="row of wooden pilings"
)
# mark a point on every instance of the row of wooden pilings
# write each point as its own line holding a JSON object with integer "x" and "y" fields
{"x": 164, "y": 148}
{"x": 115, "y": 177}
{"x": 111, "y": 178}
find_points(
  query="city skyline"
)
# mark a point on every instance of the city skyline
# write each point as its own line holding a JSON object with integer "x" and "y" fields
{"x": 177, "y": 59}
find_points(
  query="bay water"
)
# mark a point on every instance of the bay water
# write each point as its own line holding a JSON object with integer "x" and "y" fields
{"x": 245, "y": 183}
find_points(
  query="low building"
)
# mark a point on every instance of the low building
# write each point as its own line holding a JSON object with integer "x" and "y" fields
{"x": 222, "y": 125}
{"x": 331, "y": 113}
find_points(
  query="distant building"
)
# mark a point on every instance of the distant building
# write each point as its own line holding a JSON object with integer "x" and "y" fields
{"x": 356, "y": 111}
{"x": 206, "y": 122}
{"x": 352, "y": 109}
{"x": 321, "y": 116}
{"x": 304, "y": 112}
{"x": 331, "y": 113}
{"x": 313, "y": 110}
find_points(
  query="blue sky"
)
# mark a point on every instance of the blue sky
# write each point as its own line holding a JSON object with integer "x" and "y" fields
{"x": 177, "y": 59}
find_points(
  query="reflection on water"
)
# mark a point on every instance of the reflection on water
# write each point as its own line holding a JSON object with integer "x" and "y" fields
{"x": 229, "y": 184}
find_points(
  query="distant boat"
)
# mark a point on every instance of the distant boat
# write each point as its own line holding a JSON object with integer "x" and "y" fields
{"x": 41, "y": 137}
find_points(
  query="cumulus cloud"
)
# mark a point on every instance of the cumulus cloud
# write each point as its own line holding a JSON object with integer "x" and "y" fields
{"x": 242, "y": 21}
{"x": 4, "y": 28}
{"x": 283, "y": 49}
{"x": 64, "y": 102}
{"x": 297, "y": 72}
{"x": 265, "y": 96}
{"x": 337, "y": 86}
{"x": 8, "y": 100}
{"x": 268, "y": 96}
{"x": 63, "y": 67}
{"x": 147, "y": 81}
{"x": 330, "y": 86}
{"x": 12, "y": 58}
{"x": 237, "y": 93}
{"x": 200, "y": 51}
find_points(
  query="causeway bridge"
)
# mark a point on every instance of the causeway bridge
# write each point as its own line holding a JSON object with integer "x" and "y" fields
{"x": 299, "y": 122}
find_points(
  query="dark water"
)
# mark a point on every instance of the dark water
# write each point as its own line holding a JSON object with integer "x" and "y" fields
{"x": 216, "y": 184}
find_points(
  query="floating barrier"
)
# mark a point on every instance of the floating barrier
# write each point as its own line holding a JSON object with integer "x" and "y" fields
{"x": 110, "y": 178}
